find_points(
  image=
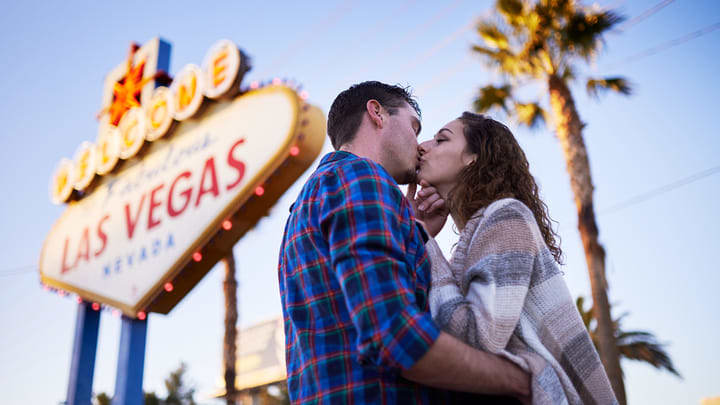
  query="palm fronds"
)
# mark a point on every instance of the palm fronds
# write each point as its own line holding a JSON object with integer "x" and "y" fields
{"x": 493, "y": 97}
{"x": 633, "y": 345}
{"x": 530, "y": 114}
{"x": 582, "y": 34}
{"x": 642, "y": 346}
{"x": 616, "y": 84}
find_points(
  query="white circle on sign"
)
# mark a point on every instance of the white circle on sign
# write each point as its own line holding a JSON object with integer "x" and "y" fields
{"x": 159, "y": 116}
{"x": 85, "y": 165}
{"x": 132, "y": 127}
{"x": 187, "y": 92}
{"x": 221, "y": 66}
{"x": 108, "y": 149}
{"x": 61, "y": 185}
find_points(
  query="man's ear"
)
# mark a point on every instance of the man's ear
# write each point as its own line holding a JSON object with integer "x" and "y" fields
{"x": 375, "y": 112}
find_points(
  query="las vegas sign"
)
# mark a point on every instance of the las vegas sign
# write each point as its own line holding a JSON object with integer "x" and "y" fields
{"x": 176, "y": 176}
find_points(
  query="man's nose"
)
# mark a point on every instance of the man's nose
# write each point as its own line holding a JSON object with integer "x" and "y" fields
{"x": 422, "y": 148}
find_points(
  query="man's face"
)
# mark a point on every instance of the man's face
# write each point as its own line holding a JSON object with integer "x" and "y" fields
{"x": 399, "y": 144}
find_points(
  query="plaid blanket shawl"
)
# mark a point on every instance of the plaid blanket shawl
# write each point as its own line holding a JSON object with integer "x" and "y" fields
{"x": 502, "y": 292}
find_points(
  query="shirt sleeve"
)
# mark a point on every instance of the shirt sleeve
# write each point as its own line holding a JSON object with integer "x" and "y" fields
{"x": 361, "y": 219}
{"x": 501, "y": 255}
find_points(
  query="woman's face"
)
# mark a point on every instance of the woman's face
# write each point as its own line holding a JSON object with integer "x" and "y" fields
{"x": 444, "y": 157}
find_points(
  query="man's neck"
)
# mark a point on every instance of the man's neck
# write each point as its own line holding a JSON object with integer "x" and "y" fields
{"x": 363, "y": 151}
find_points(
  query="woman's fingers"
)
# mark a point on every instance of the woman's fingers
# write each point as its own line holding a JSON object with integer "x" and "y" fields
{"x": 426, "y": 189}
{"x": 436, "y": 206}
{"x": 427, "y": 202}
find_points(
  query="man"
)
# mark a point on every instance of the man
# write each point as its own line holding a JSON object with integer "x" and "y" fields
{"x": 354, "y": 275}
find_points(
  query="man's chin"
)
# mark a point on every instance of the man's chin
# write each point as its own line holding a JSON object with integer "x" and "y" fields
{"x": 410, "y": 177}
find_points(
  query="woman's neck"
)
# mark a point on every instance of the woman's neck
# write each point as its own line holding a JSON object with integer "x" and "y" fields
{"x": 444, "y": 190}
{"x": 458, "y": 223}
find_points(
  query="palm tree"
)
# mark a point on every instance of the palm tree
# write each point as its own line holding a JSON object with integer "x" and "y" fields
{"x": 632, "y": 345}
{"x": 231, "y": 317}
{"x": 542, "y": 42}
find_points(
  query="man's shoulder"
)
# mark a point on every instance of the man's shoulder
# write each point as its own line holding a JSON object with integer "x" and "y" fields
{"x": 353, "y": 165}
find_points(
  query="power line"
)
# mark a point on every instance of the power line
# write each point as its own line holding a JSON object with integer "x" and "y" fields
{"x": 448, "y": 73}
{"x": 332, "y": 18}
{"x": 615, "y": 4}
{"x": 660, "y": 190}
{"x": 669, "y": 44}
{"x": 389, "y": 17}
{"x": 438, "y": 46}
{"x": 644, "y": 15}
{"x": 377, "y": 27}
{"x": 20, "y": 273}
{"x": 14, "y": 271}
{"x": 445, "y": 75}
{"x": 412, "y": 35}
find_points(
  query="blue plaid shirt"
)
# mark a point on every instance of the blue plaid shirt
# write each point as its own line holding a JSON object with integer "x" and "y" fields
{"x": 354, "y": 279}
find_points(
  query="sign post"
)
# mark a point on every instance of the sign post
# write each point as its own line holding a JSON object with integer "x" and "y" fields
{"x": 82, "y": 365}
{"x": 131, "y": 359}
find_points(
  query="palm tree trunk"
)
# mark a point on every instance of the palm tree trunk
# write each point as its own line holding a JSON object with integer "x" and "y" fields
{"x": 231, "y": 316}
{"x": 569, "y": 131}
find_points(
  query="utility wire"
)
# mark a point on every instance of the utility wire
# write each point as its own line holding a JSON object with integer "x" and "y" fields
{"x": 412, "y": 35}
{"x": 380, "y": 24}
{"x": 444, "y": 42}
{"x": 20, "y": 273}
{"x": 445, "y": 75}
{"x": 14, "y": 271}
{"x": 644, "y": 15}
{"x": 667, "y": 45}
{"x": 331, "y": 19}
{"x": 660, "y": 190}
{"x": 614, "y": 4}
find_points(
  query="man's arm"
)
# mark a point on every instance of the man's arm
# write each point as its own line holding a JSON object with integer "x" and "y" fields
{"x": 451, "y": 364}
{"x": 361, "y": 217}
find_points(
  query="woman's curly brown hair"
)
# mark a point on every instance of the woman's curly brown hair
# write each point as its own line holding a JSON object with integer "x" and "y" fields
{"x": 501, "y": 170}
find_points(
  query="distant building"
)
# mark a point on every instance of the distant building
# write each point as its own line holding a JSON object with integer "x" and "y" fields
{"x": 260, "y": 364}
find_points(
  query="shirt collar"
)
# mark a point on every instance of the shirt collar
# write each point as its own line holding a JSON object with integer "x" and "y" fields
{"x": 337, "y": 155}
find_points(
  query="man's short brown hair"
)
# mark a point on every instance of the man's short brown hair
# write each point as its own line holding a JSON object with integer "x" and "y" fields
{"x": 347, "y": 110}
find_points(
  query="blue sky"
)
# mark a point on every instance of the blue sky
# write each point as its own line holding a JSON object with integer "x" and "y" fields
{"x": 662, "y": 266}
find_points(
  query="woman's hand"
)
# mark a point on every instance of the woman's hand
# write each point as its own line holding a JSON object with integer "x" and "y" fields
{"x": 429, "y": 206}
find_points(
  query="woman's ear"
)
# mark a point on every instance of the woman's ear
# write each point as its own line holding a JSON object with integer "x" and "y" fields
{"x": 469, "y": 158}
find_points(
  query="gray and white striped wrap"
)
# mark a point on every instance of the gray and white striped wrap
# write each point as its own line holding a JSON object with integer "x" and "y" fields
{"x": 502, "y": 292}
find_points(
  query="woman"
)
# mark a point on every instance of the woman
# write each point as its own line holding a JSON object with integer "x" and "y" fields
{"x": 502, "y": 290}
